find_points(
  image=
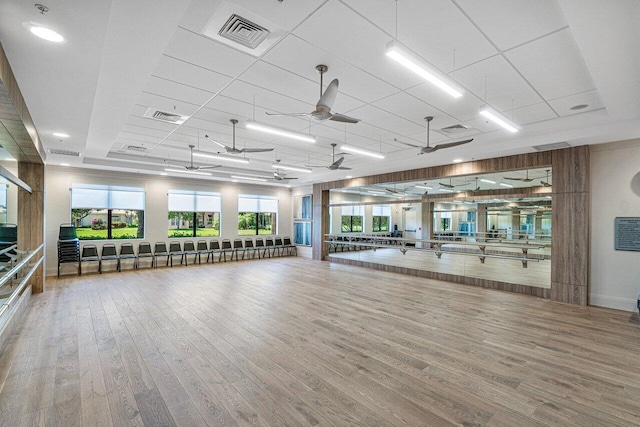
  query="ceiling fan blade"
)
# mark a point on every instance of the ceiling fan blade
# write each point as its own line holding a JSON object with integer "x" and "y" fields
{"x": 442, "y": 184}
{"x": 216, "y": 142}
{"x": 450, "y": 144}
{"x": 338, "y": 162}
{"x": 514, "y": 179}
{"x": 329, "y": 96}
{"x": 545, "y": 184}
{"x": 287, "y": 114}
{"x": 209, "y": 167}
{"x": 175, "y": 165}
{"x": 343, "y": 168}
{"x": 406, "y": 143}
{"x": 342, "y": 118}
{"x": 255, "y": 150}
{"x": 287, "y": 178}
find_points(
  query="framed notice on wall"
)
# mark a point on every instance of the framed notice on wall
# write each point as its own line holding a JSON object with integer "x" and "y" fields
{"x": 627, "y": 234}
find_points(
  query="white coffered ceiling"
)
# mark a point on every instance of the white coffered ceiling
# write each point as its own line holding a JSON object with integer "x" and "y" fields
{"x": 531, "y": 60}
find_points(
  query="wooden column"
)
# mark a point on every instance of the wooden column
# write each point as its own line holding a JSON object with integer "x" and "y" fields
{"x": 481, "y": 222}
{"x": 515, "y": 224}
{"x": 31, "y": 216}
{"x": 320, "y": 222}
{"x": 570, "y": 223}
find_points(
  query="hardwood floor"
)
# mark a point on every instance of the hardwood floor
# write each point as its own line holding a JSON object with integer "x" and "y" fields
{"x": 292, "y": 341}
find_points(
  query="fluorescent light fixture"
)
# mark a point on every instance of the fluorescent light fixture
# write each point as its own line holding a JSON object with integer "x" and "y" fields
{"x": 445, "y": 190}
{"x": 504, "y": 184}
{"x": 349, "y": 176}
{"x": 376, "y": 192}
{"x": 163, "y": 173}
{"x": 418, "y": 66}
{"x": 457, "y": 160}
{"x": 219, "y": 157}
{"x": 424, "y": 187}
{"x": 64, "y": 164}
{"x": 291, "y": 168}
{"x": 46, "y": 34}
{"x": 281, "y": 132}
{"x": 488, "y": 181}
{"x": 60, "y": 135}
{"x": 10, "y": 159}
{"x": 499, "y": 119}
{"x": 355, "y": 150}
{"x": 250, "y": 178}
{"x": 188, "y": 172}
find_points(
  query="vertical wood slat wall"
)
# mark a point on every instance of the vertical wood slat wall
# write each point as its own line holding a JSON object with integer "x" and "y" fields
{"x": 570, "y": 218}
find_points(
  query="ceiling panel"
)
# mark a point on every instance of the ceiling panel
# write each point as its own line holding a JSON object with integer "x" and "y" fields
{"x": 461, "y": 109}
{"x": 189, "y": 74}
{"x": 553, "y": 65}
{"x": 413, "y": 109}
{"x": 173, "y": 93}
{"x": 391, "y": 122}
{"x": 509, "y": 23}
{"x": 590, "y": 98}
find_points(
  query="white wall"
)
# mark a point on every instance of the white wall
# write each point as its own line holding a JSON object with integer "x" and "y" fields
{"x": 58, "y": 181}
{"x": 615, "y": 275}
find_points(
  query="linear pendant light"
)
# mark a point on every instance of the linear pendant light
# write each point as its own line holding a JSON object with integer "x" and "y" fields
{"x": 291, "y": 168}
{"x": 281, "y": 132}
{"x": 219, "y": 157}
{"x": 357, "y": 150}
{"x": 499, "y": 119}
{"x": 249, "y": 178}
{"x": 403, "y": 57}
{"x": 187, "y": 172}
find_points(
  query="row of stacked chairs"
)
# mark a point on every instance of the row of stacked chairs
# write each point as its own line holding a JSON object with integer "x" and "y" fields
{"x": 269, "y": 247}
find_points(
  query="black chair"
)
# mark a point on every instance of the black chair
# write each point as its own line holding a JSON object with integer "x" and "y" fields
{"x": 175, "y": 249}
{"x": 248, "y": 247}
{"x": 238, "y": 247}
{"x": 127, "y": 252}
{"x": 278, "y": 246}
{"x": 268, "y": 246}
{"x": 89, "y": 254}
{"x": 289, "y": 246}
{"x": 190, "y": 249}
{"x": 214, "y": 248}
{"x": 110, "y": 253}
{"x": 226, "y": 247}
{"x": 201, "y": 248}
{"x": 259, "y": 246}
{"x": 160, "y": 250}
{"x": 144, "y": 251}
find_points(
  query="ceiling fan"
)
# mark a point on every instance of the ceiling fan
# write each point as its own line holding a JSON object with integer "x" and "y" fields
{"x": 191, "y": 166}
{"x": 546, "y": 183}
{"x": 527, "y": 179}
{"x": 336, "y": 163}
{"x": 449, "y": 185}
{"x": 279, "y": 176}
{"x": 233, "y": 149}
{"x": 428, "y": 149}
{"x": 325, "y": 103}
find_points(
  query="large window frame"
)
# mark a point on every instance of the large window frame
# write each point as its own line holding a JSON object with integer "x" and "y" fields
{"x": 302, "y": 220}
{"x": 352, "y": 220}
{"x": 381, "y": 218}
{"x": 200, "y": 210}
{"x": 257, "y": 215}
{"x": 114, "y": 209}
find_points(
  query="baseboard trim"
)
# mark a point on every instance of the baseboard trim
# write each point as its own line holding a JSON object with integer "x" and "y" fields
{"x": 626, "y": 304}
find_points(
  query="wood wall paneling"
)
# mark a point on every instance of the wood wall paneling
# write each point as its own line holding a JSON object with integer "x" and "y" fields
{"x": 31, "y": 216}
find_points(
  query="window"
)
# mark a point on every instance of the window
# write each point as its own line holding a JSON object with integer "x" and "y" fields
{"x": 302, "y": 210}
{"x": 193, "y": 214}
{"x": 107, "y": 212}
{"x": 3, "y": 203}
{"x": 352, "y": 219}
{"x": 381, "y": 218}
{"x": 257, "y": 215}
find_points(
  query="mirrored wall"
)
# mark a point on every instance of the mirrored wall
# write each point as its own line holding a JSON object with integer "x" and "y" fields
{"x": 494, "y": 227}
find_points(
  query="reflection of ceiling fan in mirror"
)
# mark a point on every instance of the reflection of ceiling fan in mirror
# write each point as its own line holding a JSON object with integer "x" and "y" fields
{"x": 191, "y": 166}
{"x": 527, "y": 179}
{"x": 279, "y": 176}
{"x": 337, "y": 164}
{"x": 325, "y": 103}
{"x": 449, "y": 185}
{"x": 546, "y": 183}
{"x": 233, "y": 149}
{"x": 428, "y": 149}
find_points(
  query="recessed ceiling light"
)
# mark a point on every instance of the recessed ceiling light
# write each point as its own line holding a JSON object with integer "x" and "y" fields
{"x": 579, "y": 107}
{"x": 60, "y": 135}
{"x": 46, "y": 34}
{"x": 457, "y": 160}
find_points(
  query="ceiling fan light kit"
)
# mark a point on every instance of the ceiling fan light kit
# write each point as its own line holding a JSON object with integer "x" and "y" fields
{"x": 280, "y": 132}
{"x": 362, "y": 151}
{"x": 291, "y": 168}
{"x": 403, "y": 57}
{"x": 499, "y": 119}
{"x": 219, "y": 157}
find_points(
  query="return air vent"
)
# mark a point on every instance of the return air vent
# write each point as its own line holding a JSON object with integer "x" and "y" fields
{"x": 243, "y": 31}
{"x": 134, "y": 147}
{"x": 64, "y": 152}
{"x": 154, "y": 113}
{"x": 452, "y": 130}
{"x": 554, "y": 146}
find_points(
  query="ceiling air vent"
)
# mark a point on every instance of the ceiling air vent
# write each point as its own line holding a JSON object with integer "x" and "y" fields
{"x": 135, "y": 148}
{"x": 243, "y": 31}
{"x": 452, "y": 130}
{"x": 154, "y": 113}
{"x": 554, "y": 146}
{"x": 64, "y": 152}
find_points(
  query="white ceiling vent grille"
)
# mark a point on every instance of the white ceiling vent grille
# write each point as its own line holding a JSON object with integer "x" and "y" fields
{"x": 134, "y": 148}
{"x": 554, "y": 146}
{"x": 243, "y": 31}
{"x": 154, "y": 113}
{"x": 64, "y": 152}
{"x": 452, "y": 130}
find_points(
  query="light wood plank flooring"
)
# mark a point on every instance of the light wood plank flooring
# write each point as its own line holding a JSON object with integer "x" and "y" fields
{"x": 292, "y": 341}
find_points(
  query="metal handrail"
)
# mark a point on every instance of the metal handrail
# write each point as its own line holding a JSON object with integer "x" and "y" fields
{"x": 9, "y": 275}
